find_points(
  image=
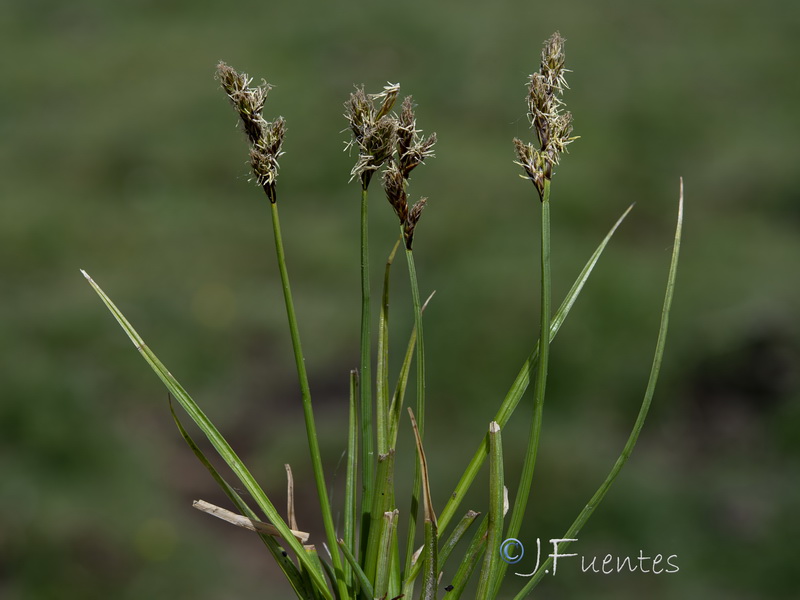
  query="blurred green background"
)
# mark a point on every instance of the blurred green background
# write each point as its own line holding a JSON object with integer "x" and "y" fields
{"x": 121, "y": 155}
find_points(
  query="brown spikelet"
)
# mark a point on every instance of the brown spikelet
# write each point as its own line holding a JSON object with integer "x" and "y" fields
{"x": 394, "y": 186}
{"x": 412, "y": 220}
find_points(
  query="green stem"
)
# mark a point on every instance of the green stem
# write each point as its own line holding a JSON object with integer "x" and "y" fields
{"x": 367, "y": 449}
{"x": 308, "y": 413}
{"x": 523, "y": 492}
{"x": 419, "y": 411}
{"x": 351, "y": 478}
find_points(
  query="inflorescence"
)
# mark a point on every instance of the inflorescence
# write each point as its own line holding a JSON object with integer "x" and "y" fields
{"x": 265, "y": 137}
{"x": 387, "y": 139}
{"x": 552, "y": 125}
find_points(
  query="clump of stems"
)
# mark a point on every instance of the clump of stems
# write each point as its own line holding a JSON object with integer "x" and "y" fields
{"x": 364, "y": 560}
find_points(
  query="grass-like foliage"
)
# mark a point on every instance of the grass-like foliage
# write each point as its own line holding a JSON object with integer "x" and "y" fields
{"x": 366, "y": 559}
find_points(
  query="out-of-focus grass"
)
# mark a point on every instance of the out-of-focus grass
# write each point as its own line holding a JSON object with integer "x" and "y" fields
{"x": 119, "y": 156}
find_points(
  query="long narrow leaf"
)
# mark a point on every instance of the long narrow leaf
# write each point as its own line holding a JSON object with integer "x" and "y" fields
{"x": 217, "y": 440}
{"x": 366, "y": 586}
{"x": 382, "y": 502}
{"x": 456, "y": 535}
{"x": 395, "y": 577}
{"x": 598, "y": 496}
{"x": 316, "y": 565}
{"x": 402, "y": 381}
{"x": 476, "y": 549}
{"x": 494, "y": 534}
{"x": 385, "y": 546}
{"x": 420, "y": 407}
{"x": 287, "y": 566}
{"x": 430, "y": 576}
{"x": 382, "y": 371}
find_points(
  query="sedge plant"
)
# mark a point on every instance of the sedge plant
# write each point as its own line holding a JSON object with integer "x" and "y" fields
{"x": 366, "y": 559}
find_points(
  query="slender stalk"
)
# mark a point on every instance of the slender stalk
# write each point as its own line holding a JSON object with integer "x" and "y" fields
{"x": 419, "y": 410}
{"x": 351, "y": 478}
{"x": 526, "y": 479}
{"x": 308, "y": 413}
{"x": 655, "y": 369}
{"x": 367, "y": 448}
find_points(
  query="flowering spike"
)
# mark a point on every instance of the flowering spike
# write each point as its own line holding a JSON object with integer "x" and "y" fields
{"x": 552, "y": 126}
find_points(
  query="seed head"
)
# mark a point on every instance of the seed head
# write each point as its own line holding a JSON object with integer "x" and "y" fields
{"x": 374, "y": 129}
{"x": 552, "y": 125}
{"x": 265, "y": 138}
